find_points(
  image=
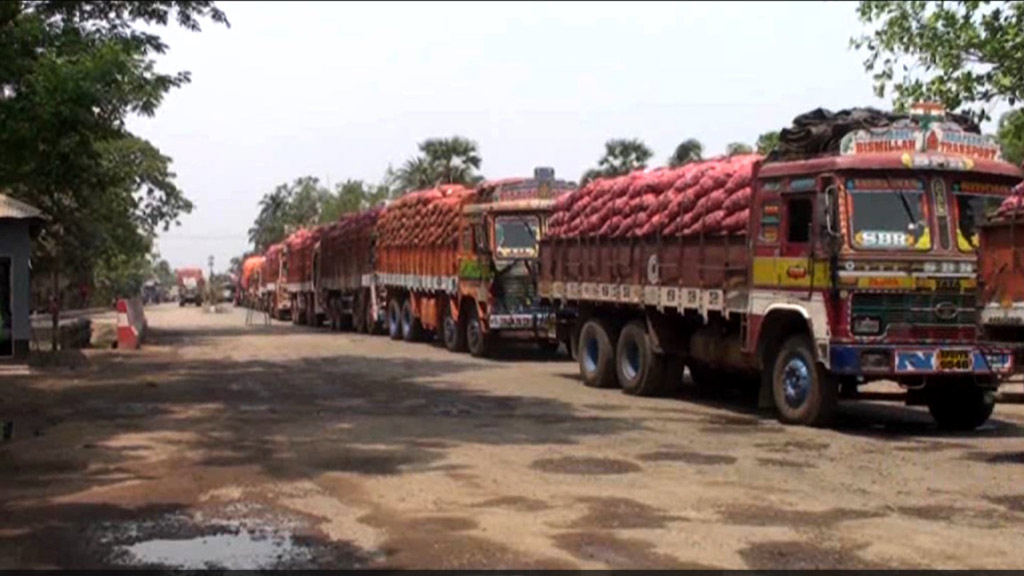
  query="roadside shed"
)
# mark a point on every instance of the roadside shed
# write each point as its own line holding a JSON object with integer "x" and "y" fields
{"x": 18, "y": 223}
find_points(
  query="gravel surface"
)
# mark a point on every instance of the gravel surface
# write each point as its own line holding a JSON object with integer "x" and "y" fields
{"x": 224, "y": 445}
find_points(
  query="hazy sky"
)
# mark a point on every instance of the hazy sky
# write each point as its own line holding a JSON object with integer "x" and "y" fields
{"x": 339, "y": 90}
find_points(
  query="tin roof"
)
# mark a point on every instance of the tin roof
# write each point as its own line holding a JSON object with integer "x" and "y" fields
{"x": 16, "y": 209}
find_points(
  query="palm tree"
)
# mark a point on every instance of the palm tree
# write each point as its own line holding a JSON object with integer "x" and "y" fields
{"x": 416, "y": 174}
{"x": 454, "y": 160}
{"x": 689, "y": 150}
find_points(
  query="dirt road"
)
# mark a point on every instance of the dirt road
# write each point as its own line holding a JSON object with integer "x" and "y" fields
{"x": 247, "y": 447}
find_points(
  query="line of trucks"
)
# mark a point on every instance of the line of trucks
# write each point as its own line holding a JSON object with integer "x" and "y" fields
{"x": 863, "y": 248}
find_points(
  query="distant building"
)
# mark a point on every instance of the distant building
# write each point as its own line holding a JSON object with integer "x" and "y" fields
{"x": 18, "y": 223}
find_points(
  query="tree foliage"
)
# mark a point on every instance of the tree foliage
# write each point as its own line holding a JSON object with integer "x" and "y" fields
{"x": 767, "y": 142}
{"x": 966, "y": 54}
{"x": 689, "y": 150}
{"x": 621, "y": 156}
{"x": 71, "y": 72}
{"x": 305, "y": 202}
{"x": 737, "y": 148}
{"x": 1011, "y": 136}
{"x": 454, "y": 160}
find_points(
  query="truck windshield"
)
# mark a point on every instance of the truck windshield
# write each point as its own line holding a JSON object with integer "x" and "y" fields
{"x": 516, "y": 236}
{"x": 972, "y": 210}
{"x": 893, "y": 218}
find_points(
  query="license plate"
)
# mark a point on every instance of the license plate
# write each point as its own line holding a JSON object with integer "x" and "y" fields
{"x": 954, "y": 360}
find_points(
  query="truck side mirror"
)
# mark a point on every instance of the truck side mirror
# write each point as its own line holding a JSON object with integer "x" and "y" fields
{"x": 831, "y": 194}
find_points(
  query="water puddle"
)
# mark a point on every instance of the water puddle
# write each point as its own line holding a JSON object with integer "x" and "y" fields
{"x": 239, "y": 551}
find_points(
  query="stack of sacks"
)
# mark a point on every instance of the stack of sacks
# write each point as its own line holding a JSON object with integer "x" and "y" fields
{"x": 711, "y": 197}
{"x": 424, "y": 218}
{"x": 1014, "y": 204}
{"x": 356, "y": 225}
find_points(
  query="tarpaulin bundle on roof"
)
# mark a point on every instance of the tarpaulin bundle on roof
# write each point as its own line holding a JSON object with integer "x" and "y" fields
{"x": 820, "y": 131}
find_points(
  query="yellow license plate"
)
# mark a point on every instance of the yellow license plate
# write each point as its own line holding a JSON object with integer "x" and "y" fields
{"x": 954, "y": 360}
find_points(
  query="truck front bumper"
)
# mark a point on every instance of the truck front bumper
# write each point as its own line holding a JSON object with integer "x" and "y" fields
{"x": 909, "y": 360}
{"x": 539, "y": 324}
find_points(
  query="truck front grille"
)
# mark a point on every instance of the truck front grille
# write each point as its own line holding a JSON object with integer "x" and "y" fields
{"x": 915, "y": 309}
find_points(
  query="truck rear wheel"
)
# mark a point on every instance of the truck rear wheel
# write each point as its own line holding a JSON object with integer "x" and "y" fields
{"x": 476, "y": 340}
{"x": 597, "y": 355}
{"x": 804, "y": 392}
{"x": 961, "y": 407}
{"x": 638, "y": 368}
{"x": 412, "y": 330}
{"x": 395, "y": 319}
{"x": 453, "y": 332}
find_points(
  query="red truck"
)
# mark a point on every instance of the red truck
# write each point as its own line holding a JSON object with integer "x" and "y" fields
{"x": 343, "y": 279}
{"x": 462, "y": 263}
{"x": 1001, "y": 270}
{"x": 191, "y": 285}
{"x": 843, "y": 264}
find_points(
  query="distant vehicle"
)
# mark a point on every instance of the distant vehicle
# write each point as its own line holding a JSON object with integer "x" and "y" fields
{"x": 190, "y": 286}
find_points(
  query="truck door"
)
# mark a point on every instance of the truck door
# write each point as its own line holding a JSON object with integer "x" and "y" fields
{"x": 795, "y": 264}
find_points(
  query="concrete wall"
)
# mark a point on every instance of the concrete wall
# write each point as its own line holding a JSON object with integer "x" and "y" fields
{"x": 16, "y": 244}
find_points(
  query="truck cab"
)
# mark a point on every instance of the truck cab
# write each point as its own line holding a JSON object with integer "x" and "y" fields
{"x": 499, "y": 255}
{"x": 877, "y": 247}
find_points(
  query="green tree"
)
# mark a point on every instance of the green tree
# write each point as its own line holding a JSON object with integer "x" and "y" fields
{"x": 965, "y": 54}
{"x": 737, "y": 148}
{"x": 269, "y": 227}
{"x": 417, "y": 174}
{"x": 621, "y": 156}
{"x": 71, "y": 72}
{"x": 1011, "y": 136}
{"x": 689, "y": 150}
{"x": 767, "y": 142}
{"x": 163, "y": 272}
{"x": 454, "y": 160}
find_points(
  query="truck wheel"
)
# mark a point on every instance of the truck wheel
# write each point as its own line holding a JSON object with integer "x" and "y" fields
{"x": 181, "y": 303}
{"x": 961, "y": 408}
{"x": 804, "y": 392}
{"x": 638, "y": 368}
{"x": 395, "y": 319}
{"x": 412, "y": 331}
{"x": 453, "y": 332}
{"x": 476, "y": 340}
{"x": 597, "y": 355}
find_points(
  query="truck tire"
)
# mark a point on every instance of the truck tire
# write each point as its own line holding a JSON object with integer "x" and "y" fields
{"x": 638, "y": 368}
{"x": 961, "y": 407}
{"x": 412, "y": 330}
{"x": 804, "y": 392}
{"x": 597, "y": 355}
{"x": 181, "y": 303}
{"x": 476, "y": 340}
{"x": 453, "y": 332}
{"x": 395, "y": 319}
